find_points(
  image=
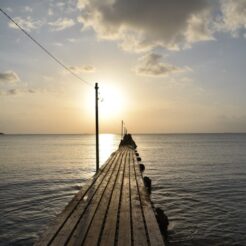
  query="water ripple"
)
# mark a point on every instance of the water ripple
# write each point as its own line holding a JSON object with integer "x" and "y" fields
{"x": 198, "y": 180}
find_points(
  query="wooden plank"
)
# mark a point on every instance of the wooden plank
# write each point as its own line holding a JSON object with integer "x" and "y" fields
{"x": 124, "y": 230}
{"x": 153, "y": 231}
{"x": 96, "y": 227}
{"x": 66, "y": 231}
{"x": 61, "y": 219}
{"x": 114, "y": 208}
{"x": 138, "y": 226}
{"x": 83, "y": 226}
{"x": 109, "y": 229}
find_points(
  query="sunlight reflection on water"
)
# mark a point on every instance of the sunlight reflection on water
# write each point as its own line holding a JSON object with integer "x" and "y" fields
{"x": 199, "y": 181}
{"x": 39, "y": 174}
{"x": 108, "y": 144}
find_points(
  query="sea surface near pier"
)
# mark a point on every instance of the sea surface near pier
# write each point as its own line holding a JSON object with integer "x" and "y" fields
{"x": 198, "y": 179}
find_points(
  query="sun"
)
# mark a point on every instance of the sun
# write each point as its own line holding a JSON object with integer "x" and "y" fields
{"x": 111, "y": 102}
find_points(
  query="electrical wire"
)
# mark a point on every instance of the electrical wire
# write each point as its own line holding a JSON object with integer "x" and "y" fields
{"x": 46, "y": 50}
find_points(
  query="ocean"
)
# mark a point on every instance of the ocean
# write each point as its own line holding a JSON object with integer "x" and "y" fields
{"x": 199, "y": 180}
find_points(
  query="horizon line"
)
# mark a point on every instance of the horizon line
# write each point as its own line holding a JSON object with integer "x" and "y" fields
{"x": 134, "y": 133}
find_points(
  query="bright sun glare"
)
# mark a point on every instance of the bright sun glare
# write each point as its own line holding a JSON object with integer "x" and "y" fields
{"x": 110, "y": 102}
{"x": 107, "y": 144}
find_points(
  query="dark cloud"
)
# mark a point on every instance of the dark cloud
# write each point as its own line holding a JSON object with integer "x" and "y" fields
{"x": 143, "y": 24}
{"x": 8, "y": 76}
{"x": 16, "y": 91}
{"x": 31, "y": 91}
{"x": 9, "y": 87}
{"x": 12, "y": 92}
{"x": 151, "y": 65}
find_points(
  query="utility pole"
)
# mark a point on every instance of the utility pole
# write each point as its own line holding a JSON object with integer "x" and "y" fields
{"x": 97, "y": 128}
{"x": 122, "y": 129}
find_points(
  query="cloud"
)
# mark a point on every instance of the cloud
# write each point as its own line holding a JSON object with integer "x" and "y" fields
{"x": 199, "y": 28}
{"x": 141, "y": 25}
{"x": 26, "y": 23}
{"x": 61, "y": 24}
{"x": 50, "y": 12}
{"x": 12, "y": 92}
{"x": 60, "y": 4}
{"x": 27, "y": 9}
{"x": 48, "y": 78}
{"x": 151, "y": 65}
{"x": 17, "y": 91}
{"x": 9, "y": 77}
{"x": 82, "y": 69}
{"x": 72, "y": 40}
{"x": 10, "y": 88}
{"x": 31, "y": 91}
{"x": 233, "y": 16}
{"x": 9, "y": 9}
{"x": 58, "y": 44}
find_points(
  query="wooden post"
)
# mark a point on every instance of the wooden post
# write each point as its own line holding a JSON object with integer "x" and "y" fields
{"x": 97, "y": 128}
{"x": 122, "y": 126}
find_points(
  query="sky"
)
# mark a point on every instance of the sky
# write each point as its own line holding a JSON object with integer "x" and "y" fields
{"x": 163, "y": 66}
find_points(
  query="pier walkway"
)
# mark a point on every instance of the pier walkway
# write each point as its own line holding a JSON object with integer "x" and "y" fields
{"x": 113, "y": 208}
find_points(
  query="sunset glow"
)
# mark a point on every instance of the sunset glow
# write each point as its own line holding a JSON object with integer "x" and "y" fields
{"x": 111, "y": 103}
{"x": 176, "y": 67}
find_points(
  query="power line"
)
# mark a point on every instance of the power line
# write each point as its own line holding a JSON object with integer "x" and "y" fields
{"x": 45, "y": 49}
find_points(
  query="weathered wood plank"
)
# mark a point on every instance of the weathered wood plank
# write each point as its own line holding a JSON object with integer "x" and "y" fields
{"x": 67, "y": 230}
{"x": 109, "y": 230}
{"x": 83, "y": 226}
{"x": 138, "y": 226}
{"x": 114, "y": 208}
{"x": 61, "y": 219}
{"x": 96, "y": 227}
{"x": 124, "y": 230}
{"x": 153, "y": 231}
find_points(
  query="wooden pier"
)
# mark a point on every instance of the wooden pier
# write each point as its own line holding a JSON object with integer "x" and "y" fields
{"x": 113, "y": 208}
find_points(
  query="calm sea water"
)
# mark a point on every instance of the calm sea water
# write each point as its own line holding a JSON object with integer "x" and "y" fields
{"x": 198, "y": 179}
